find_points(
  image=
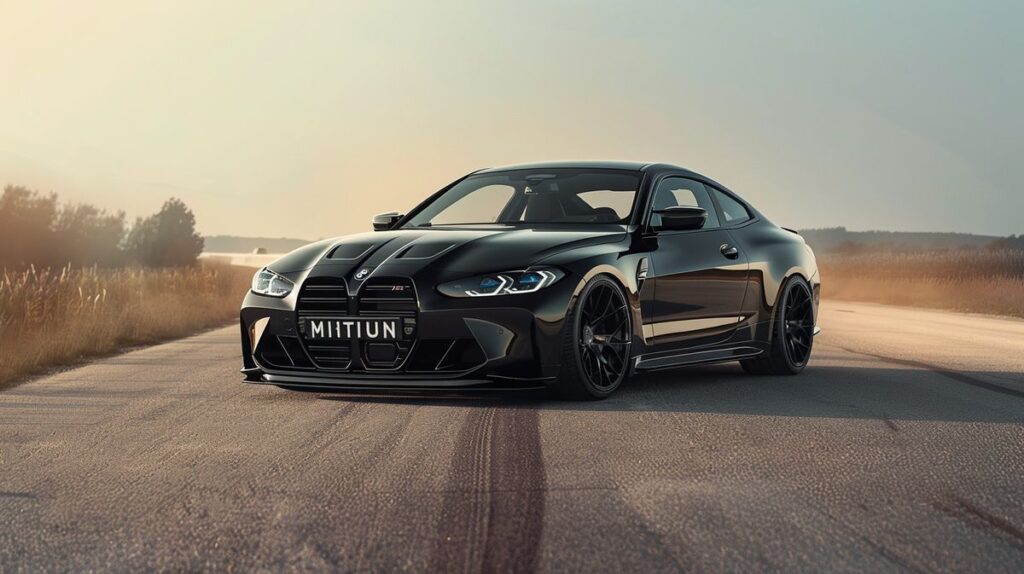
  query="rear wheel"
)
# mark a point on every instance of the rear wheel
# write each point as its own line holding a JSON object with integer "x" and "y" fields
{"x": 596, "y": 342}
{"x": 792, "y": 333}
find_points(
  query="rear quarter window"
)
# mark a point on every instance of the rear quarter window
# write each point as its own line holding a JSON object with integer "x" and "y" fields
{"x": 733, "y": 212}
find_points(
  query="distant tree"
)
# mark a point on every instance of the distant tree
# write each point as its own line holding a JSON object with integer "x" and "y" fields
{"x": 1010, "y": 242}
{"x": 167, "y": 238}
{"x": 26, "y": 228}
{"x": 36, "y": 230}
{"x": 90, "y": 236}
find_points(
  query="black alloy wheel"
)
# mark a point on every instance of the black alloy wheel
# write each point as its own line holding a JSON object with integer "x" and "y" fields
{"x": 597, "y": 345}
{"x": 792, "y": 333}
{"x": 798, "y": 324}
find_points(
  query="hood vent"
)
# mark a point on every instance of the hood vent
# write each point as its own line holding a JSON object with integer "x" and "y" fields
{"x": 425, "y": 250}
{"x": 351, "y": 250}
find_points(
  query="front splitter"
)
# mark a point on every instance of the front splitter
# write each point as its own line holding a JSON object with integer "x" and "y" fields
{"x": 397, "y": 384}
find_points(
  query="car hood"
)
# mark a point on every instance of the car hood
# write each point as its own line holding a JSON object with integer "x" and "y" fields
{"x": 462, "y": 250}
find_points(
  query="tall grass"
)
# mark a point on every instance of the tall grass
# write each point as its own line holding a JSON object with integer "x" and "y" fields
{"x": 978, "y": 281}
{"x": 55, "y": 317}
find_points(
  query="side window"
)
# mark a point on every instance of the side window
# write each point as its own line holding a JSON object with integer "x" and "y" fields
{"x": 732, "y": 211}
{"x": 476, "y": 207}
{"x": 673, "y": 191}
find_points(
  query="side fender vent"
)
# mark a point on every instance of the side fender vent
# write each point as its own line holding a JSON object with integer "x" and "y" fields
{"x": 641, "y": 272}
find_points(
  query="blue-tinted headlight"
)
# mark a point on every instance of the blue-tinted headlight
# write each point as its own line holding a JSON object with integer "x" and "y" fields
{"x": 529, "y": 279}
{"x": 510, "y": 283}
{"x": 489, "y": 283}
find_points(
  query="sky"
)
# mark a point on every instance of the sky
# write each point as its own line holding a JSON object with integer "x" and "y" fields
{"x": 303, "y": 119}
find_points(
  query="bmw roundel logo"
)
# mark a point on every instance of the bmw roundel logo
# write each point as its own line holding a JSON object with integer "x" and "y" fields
{"x": 363, "y": 272}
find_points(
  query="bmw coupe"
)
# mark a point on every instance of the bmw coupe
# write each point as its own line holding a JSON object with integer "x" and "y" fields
{"x": 568, "y": 276}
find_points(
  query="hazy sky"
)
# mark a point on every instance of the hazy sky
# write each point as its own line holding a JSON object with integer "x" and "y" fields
{"x": 305, "y": 118}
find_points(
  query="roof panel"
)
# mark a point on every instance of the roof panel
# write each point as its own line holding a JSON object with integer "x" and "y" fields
{"x": 586, "y": 164}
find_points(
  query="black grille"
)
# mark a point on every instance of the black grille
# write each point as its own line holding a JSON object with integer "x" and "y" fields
{"x": 394, "y": 297}
{"x": 331, "y": 355}
{"x": 323, "y": 297}
{"x": 378, "y": 297}
{"x": 388, "y": 298}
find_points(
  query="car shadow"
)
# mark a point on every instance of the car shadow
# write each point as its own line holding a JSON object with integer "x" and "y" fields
{"x": 862, "y": 391}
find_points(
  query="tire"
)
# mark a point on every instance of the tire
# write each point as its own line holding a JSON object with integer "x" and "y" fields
{"x": 596, "y": 341}
{"x": 792, "y": 333}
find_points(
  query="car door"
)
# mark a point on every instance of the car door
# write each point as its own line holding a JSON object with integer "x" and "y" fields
{"x": 699, "y": 276}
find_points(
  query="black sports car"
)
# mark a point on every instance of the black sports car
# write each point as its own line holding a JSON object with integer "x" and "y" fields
{"x": 568, "y": 276}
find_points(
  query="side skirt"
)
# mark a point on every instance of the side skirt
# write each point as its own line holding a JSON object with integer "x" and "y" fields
{"x": 678, "y": 359}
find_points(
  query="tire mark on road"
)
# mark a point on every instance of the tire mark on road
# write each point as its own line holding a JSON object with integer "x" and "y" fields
{"x": 493, "y": 515}
{"x": 958, "y": 376}
{"x": 890, "y": 555}
{"x": 964, "y": 510}
{"x": 24, "y": 495}
{"x": 889, "y": 423}
{"x": 516, "y": 520}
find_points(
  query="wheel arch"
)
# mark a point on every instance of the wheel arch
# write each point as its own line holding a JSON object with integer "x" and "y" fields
{"x": 629, "y": 286}
{"x": 774, "y": 255}
{"x": 775, "y": 307}
{"x": 573, "y": 376}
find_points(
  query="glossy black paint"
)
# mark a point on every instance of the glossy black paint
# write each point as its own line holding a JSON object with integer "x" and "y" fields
{"x": 699, "y": 295}
{"x": 681, "y": 219}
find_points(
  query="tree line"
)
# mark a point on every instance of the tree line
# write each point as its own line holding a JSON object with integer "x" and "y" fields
{"x": 37, "y": 229}
{"x": 840, "y": 240}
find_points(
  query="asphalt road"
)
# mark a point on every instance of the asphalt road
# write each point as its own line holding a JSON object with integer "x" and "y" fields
{"x": 901, "y": 448}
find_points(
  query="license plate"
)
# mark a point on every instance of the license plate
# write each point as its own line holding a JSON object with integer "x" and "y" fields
{"x": 384, "y": 329}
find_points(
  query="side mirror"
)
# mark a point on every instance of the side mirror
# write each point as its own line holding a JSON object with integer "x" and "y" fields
{"x": 385, "y": 221}
{"x": 680, "y": 218}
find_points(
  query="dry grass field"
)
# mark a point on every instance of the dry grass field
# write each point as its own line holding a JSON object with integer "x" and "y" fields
{"x": 57, "y": 317}
{"x": 974, "y": 281}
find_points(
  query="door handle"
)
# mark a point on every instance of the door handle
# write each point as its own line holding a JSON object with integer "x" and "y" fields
{"x": 729, "y": 251}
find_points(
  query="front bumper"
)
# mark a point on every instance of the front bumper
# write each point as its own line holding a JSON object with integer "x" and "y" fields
{"x": 455, "y": 344}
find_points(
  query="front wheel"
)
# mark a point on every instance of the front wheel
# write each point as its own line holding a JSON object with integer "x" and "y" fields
{"x": 792, "y": 333}
{"x": 596, "y": 342}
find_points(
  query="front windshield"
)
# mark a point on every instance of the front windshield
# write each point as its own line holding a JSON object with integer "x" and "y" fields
{"x": 561, "y": 195}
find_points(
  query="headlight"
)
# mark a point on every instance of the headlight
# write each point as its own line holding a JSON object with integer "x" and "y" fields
{"x": 268, "y": 283}
{"x": 508, "y": 283}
